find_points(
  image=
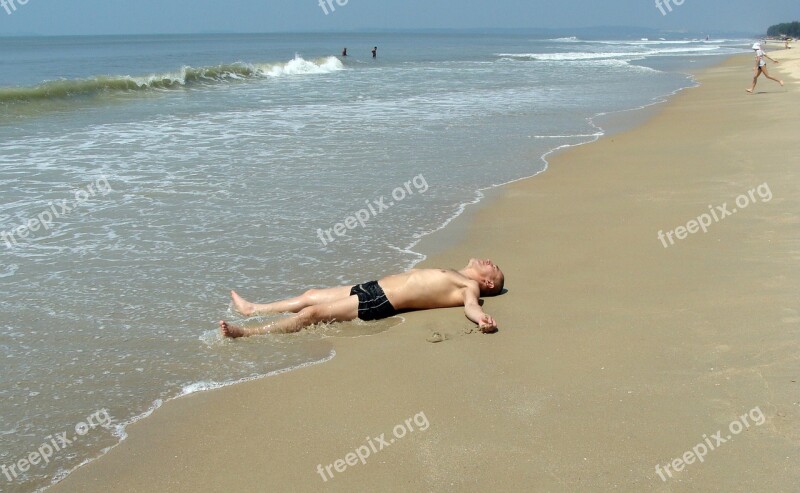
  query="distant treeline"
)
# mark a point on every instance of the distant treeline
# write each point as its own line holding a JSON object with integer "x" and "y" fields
{"x": 788, "y": 28}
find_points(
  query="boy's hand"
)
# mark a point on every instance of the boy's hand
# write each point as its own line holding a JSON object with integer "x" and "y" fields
{"x": 487, "y": 325}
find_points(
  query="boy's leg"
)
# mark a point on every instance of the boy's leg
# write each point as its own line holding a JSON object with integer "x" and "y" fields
{"x": 339, "y": 311}
{"x": 294, "y": 305}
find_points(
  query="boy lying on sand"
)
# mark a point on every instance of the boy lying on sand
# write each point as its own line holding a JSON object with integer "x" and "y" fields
{"x": 417, "y": 289}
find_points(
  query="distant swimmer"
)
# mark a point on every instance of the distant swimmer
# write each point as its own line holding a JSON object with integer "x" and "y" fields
{"x": 344, "y": 52}
{"x": 375, "y": 52}
{"x": 761, "y": 67}
{"x": 417, "y": 289}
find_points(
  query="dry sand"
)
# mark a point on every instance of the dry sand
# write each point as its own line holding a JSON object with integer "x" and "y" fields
{"x": 614, "y": 353}
{"x": 791, "y": 62}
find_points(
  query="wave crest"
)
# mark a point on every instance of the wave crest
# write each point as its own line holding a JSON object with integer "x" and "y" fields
{"x": 586, "y": 55}
{"x": 185, "y": 77}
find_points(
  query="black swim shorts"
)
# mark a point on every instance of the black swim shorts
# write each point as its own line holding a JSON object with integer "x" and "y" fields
{"x": 372, "y": 301}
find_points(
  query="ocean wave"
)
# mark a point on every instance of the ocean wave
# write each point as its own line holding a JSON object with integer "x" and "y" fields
{"x": 644, "y": 42}
{"x": 570, "y": 56}
{"x": 185, "y": 77}
{"x": 9, "y": 270}
{"x": 586, "y": 55}
{"x": 662, "y": 41}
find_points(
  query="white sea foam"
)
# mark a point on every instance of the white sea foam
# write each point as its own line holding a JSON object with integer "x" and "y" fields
{"x": 207, "y": 385}
{"x": 300, "y": 66}
{"x": 580, "y": 56}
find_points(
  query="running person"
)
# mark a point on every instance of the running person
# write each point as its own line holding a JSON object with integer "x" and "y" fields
{"x": 761, "y": 67}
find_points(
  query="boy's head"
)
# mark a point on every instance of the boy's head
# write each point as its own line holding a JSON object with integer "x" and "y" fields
{"x": 488, "y": 275}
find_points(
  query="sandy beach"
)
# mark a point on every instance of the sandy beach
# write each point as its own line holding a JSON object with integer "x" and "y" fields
{"x": 619, "y": 353}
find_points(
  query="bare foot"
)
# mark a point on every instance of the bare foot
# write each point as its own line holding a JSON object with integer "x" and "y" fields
{"x": 749, "y": 90}
{"x": 231, "y": 331}
{"x": 781, "y": 82}
{"x": 241, "y": 305}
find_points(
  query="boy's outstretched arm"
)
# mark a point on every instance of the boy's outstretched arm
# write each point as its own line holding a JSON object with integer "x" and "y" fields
{"x": 474, "y": 312}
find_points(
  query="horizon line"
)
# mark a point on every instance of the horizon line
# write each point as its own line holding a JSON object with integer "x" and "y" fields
{"x": 470, "y": 30}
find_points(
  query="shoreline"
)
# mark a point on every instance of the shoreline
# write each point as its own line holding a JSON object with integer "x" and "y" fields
{"x": 618, "y": 124}
{"x": 392, "y": 337}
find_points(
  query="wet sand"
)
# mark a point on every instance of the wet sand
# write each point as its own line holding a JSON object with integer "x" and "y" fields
{"x": 615, "y": 353}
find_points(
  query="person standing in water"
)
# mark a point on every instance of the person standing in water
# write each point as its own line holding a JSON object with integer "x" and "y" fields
{"x": 761, "y": 67}
{"x": 375, "y": 52}
{"x": 344, "y": 51}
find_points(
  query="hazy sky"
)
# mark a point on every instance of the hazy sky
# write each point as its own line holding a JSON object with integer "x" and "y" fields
{"x": 182, "y": 16}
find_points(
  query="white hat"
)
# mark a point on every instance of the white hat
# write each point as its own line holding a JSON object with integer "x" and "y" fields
{"x": 757, "y": 46}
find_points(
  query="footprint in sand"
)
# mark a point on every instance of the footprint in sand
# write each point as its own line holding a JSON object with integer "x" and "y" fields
{"x": 436, "y": 337}
{"x": 439, "y": 337}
